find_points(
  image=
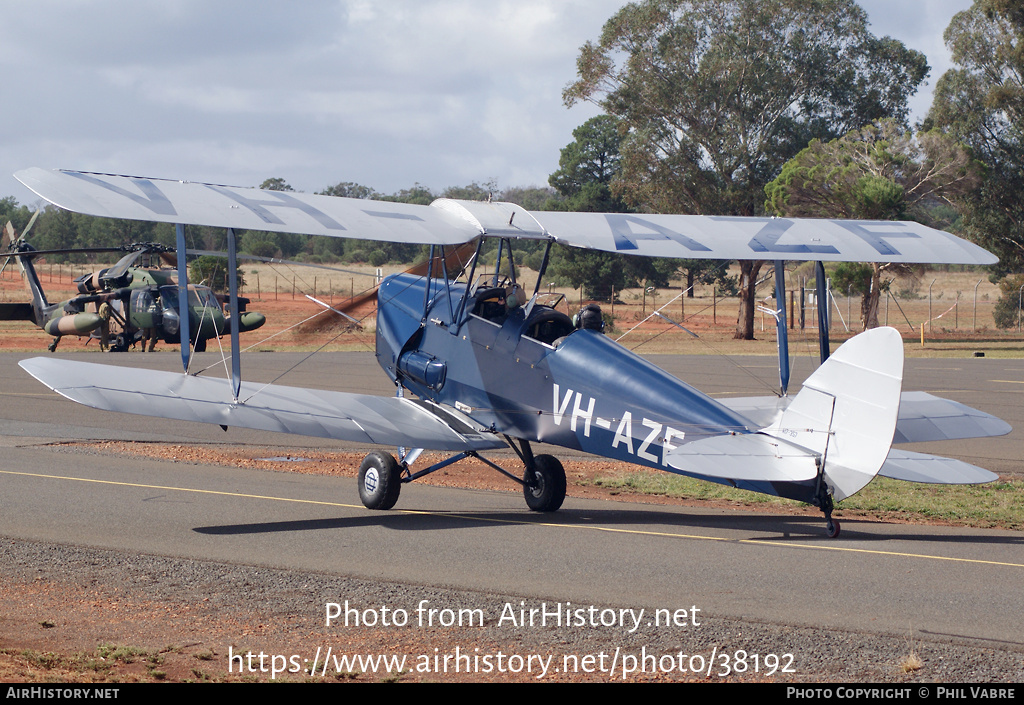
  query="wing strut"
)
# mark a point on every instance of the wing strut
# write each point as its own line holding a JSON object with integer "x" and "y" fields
{"x": 822, "y": 294}
{"x": 780, "y": 324}
{"x": 184, "y": 333}
{"x": 236, "y": 358}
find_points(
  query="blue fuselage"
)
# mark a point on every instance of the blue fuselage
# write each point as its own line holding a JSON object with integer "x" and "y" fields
{"x": 507, "y": 370}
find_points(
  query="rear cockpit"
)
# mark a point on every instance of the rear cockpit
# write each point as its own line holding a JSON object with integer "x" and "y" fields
{"x": 548, "y": 326}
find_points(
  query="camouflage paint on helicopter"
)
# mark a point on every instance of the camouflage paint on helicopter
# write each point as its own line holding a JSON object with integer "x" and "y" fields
{"x": 142, "y": 302}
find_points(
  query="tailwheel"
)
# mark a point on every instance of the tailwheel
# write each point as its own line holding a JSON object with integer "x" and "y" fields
{"x": 380, "y": 481}
{"x": 544, "y": 487}
{"x": 832, "y": 528}
{"x": 823, "y": 500}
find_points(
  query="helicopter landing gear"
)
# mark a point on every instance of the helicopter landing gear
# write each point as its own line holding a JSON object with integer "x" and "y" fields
{"x": 52, "y": 347}
{"x": 120, "y": 343}
{"x": 380, "y": 481}
{"x": 544, "y": 486}
{"x": 200, "y": 345}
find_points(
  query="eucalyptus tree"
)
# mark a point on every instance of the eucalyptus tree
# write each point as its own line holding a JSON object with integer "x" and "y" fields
{"x": 716, "y": 95}
{"x": 880, "y": 172}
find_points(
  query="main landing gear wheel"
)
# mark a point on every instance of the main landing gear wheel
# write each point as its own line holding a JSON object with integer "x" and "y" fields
{"x": 380, "y": 481}
{"x": 832, "y": 528}
{"x": 547, "y": 490}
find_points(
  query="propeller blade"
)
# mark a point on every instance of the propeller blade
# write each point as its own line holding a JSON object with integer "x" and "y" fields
{"x": 459, "y": 256}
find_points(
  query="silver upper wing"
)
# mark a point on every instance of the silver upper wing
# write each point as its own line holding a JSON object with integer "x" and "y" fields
{"x": 350, "y": 417}
{"x": 188, "y": 203}
{"x": 448, "y": 221}
{"x": 728, "y": 237}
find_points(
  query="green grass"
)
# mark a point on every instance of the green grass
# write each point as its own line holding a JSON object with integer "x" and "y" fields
{"x": 998, "y": 504}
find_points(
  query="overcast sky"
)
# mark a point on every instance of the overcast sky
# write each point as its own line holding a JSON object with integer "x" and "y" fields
{"x": 387, "y": 93}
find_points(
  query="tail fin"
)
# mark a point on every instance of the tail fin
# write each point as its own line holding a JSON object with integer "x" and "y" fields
{"x": 847, "y": 410}
{"x": 21, "y": 252}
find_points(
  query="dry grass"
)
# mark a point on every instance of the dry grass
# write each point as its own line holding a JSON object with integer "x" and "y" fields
{"x": 956, "y": 323}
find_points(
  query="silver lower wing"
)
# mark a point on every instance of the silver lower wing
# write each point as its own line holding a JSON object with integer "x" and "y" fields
{"x": 361, "y": 418}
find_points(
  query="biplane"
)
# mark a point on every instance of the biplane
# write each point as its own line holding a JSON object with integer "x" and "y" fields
{"x": 479, "y": 363}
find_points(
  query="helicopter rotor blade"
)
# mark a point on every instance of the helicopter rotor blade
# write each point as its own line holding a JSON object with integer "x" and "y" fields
{"x": 123, "y": 264}
{"x": 6, "y": 240}
{"x": 9, "y": 241}
{"x": 31, "y": 222}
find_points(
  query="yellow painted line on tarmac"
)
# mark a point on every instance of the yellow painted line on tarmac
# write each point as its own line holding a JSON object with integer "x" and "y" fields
{"x": 179, "y": 489}
{"x": 467, "y": 517}
{"x": 768, "y": 542}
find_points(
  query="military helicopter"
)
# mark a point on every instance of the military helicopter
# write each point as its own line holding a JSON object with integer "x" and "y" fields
{"x": 122, "y": 305}
{"x": 495, "y": 367}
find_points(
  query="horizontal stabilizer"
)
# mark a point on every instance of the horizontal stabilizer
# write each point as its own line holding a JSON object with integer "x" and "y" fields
{"x": 932, "y": 469}
{"x": 744, "y": 456}
{"x": 922, "y": 417}
{"x": 16, "y": 312}
{"x": 349, "y": 417}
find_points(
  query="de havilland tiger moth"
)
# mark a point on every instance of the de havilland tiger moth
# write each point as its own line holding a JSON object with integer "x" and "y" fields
{"x": 481, "y": 364}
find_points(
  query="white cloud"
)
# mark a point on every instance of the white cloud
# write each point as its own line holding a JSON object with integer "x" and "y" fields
{"x": 388, "y": 92}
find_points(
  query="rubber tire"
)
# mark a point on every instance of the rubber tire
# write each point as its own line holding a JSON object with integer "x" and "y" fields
{"x": 200, "y": 345}
{"x": 548, "y": 491}
{"x": 380, "y": 481}
{"x": 833, "y": 532}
